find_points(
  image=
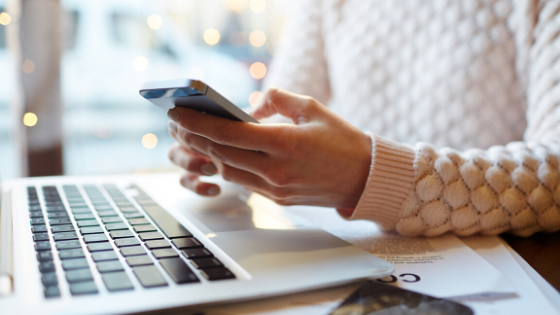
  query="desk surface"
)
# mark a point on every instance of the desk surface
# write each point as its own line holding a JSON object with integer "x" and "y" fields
{"x": 542, "y": 252}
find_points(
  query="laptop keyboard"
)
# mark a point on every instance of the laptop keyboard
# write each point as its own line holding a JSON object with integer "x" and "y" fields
{"x": 113, "y": 231}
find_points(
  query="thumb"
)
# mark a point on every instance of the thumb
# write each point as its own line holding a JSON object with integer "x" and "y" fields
{"x": 291, "y": 105}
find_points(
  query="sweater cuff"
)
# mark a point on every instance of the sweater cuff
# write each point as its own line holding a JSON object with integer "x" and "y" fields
{"x": 389, "y": 182}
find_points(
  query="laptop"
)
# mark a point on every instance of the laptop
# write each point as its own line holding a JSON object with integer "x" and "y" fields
{"x": 136, "y": 243}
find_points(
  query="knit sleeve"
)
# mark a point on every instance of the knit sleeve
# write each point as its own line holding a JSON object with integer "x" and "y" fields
{"x": 299, "y": 64}
{"x": 421, "y": 190}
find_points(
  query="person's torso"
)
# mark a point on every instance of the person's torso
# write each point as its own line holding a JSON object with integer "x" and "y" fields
{"x": 435, "y": 71}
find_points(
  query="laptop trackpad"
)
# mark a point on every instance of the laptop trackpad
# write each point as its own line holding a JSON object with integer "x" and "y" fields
{"x": 235, "y": 211}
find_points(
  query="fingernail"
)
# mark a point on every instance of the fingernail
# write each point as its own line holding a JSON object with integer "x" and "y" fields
{"x": 208, "y": 169}
{"x": 213, "y": 191}
{"x": 173, "y": 114}
{"x": 172, "y": 125}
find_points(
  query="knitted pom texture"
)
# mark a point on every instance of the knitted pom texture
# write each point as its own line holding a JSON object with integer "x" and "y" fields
{"x": 505, "y": 188}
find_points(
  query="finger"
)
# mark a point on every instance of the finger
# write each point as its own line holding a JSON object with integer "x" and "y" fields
{"x": 295, "y": 106}
{"x": 251, "y": 161}
{"x": 201, "y": 165}
{"x": 250, "y": 181}
{"x": 192, "y": 182}
{"x": 180, "y": 134}
{"x": 250, "y": 136}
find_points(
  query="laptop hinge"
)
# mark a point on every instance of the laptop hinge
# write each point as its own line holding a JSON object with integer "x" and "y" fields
{"x": 6, "y": 244}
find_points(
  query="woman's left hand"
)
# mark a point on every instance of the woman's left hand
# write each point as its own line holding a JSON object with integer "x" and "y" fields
{"x": 322, "y": 160}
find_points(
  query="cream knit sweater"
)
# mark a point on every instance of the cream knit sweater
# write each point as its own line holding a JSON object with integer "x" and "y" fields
{"x": 462, "y": 99}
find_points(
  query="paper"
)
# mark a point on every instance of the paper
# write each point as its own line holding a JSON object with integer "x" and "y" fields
{"x": 442, "y": 266}
{"x": 530, "y": 299}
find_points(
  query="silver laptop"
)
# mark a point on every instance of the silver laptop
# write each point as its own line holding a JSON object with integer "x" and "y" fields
{"x": 125, "y": 244}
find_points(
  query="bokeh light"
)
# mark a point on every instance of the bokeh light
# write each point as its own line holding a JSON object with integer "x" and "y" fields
{"x": 140, "y": 63}
{"x": 28, "y": 66}
{"x": 257, "y": 38}
{"x": 149, "y": 141}
{"x": 237, "y": 6}
{"x": 103, "y": 131}
{"x": 154, "y": 21}
{"x": 5, "y": 18}
{"x": 255, "y": 97}
{"x": 257, "y": 70}
{"x": 29, "y": 119}
{"x": 257, "y": 6}
{"x": 197, "y": 73}
{"x": 211, "y": 36}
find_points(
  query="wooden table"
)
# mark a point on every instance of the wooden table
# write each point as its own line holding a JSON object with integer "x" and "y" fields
{"x": 542, "y": 252}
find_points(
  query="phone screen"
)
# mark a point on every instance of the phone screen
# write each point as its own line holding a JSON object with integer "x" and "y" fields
{"x": 381, "y": 299}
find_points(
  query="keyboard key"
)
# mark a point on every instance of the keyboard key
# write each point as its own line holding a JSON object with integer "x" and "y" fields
{"x": 166, "y": 222}
{"x": 36, "y": 221}
{"x": 116, "y": 281}
{"x": 92, "y": 238}
{"x": 196, "y": 253}
{"x": 116, "y": 226}
{"x": 35, "y": 214}
{"x": 132, "y": 241}
{"x": 133, "y": 215}
{"x": 102, "y": 256}
{"x": 36, "y": 207}
{"x": 40, "y": 236}
{"x": 91, "y": 230}
{"x": 88, "y": 223}
{"x": 81, "y": 211}
{"x": 57, "y": 215}
{"x": 68, "y": 244}
{"x": 138, "y": 260}
{"x": 44, "y": 255}
{"x": 84, "y": 216}
{"x": 55, "y": 208}
{"x": 52, "y": 291}
{"x": 112, "y": 220}
{"x": 83, "y": 288}
{"x": 144, "y": 228}
{"x": 38, "y": 228}
{"x": 49, "y": 278}
{"x": 124, "y": 204}
{"x": 205, "y": 263}
{"x": 133, "y": 251}
{"x": 165, "y": 253}
{"x": 73, "y": 276}
{"x": 148, "y": 236}
{"x": 59, "y": 221}
{"x": 103, "y": 208}
{"x": 109, "y": 266}
{"x": 46, "y": 266}
{"x": 62, "y": 228}
{"x": 139, "y": 221}
{"x": 64, "y": 236}
{"x": 71, "y": 264}
{"x": 107, "y": 213}
{"x": 128, "y": 209}
{"x": 96, "y": 247}
{"x": 71, "y": 253}
{"x": 157, "y": 244}
{"x": 121, "y": 234}
{"x": 182, "y": 243}
{"x": 149, "y": 276}
{"x": 78, "y": 205}
{"x": 42, "y": 245}
{"x": 217, "y": 274}
{"x": 178, "y": 270}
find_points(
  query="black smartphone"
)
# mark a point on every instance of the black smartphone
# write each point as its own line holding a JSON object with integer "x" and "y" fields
{"x": 192, "y": 94}
{"x": 382, "y": 299}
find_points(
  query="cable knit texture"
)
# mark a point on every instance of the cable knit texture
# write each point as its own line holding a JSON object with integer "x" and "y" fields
{"x": 461, "y": 99}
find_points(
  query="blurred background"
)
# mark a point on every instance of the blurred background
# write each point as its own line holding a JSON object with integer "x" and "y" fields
{"x": 70, "y": 72}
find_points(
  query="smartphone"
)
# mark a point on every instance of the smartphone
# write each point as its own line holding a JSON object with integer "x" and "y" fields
{"x": 192, "y": 94}
{"x": 374, "y": 298}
